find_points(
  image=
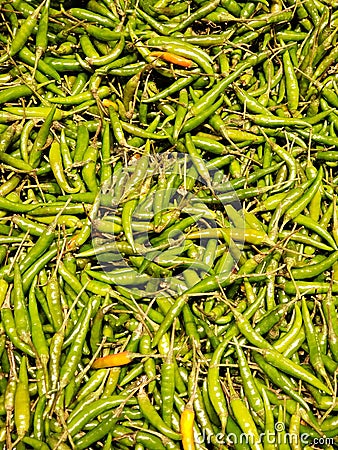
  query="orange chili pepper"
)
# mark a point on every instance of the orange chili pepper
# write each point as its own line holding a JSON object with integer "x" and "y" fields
{"x": 106, "y": 102}
{"x": 172, "y": 58}
{"x": 187, "y": 428}
{"x": 114, "y": 360}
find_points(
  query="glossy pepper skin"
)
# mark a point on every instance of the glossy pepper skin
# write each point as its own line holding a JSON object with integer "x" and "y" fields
{"x": 168, "y": 224}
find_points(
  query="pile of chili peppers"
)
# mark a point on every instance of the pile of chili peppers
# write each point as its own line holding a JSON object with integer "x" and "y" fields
{"x": 168, "y": 224}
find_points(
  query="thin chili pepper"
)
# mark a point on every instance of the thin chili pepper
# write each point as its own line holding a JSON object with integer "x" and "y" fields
{"x": 186, "y": 427}
{"x": 53, "y": 296}
{"x": 250, "y": 390}
{"x": 113, "y": 360}
{"x": 41, "y": 39}
{"x": 269, "y": 423}
{"x": 97, "y": 433}
{"x": 300, "y": 204}
{"x": 167, "y": 387}
{"x": 24, "y": 32}
{"x": 208, "y": 406}
{"x": 21, "y": 316}
{"x": 26, "y": 56}
{"x": 279, "y": 379}
{"x": 315, "y": 269}
{"x": 38, "y": 336}
{"x": 149, "y": 363}
{"x": 90, "y": 16}
{"x": 11, "y": 16}
{"x": 81, "y": 143}
{"x": 288, "y": 366}
{"x": 83, "y": 413}
{"x": 200, "y": 13}
{"x": 172, "y": 58}
{"x": 215, "y": 390}
{"x": 55, "y": 159}
{"x": 189, "y": 323}
{"x": 243, "y": 417}
{"x": 197, "y": 401}
{"x": 13, "y": 93}
{"x": 312, "y": 340}
{"x": 71, "y": 335}
{"x": 196, "y": 159}
{"x": 153, "y": 417}
{"x": 247, "y": 235}
{"x": 117, "y": 126}
{"x": 133, "y": 373}
{"x": 10, "y": 328}
{"x": 127, "y": 215}
{"x": 208, "y": 99}
{"x": 94, "y": 382}
{"x": 74, "y": 355}
{"x": 22, "y": 401}
{"x": 87, "y": 47}
{"x": 147, "y": 440}
{"x": 292, "y": 89}
{"x": 34, "y": 269}
{"x": 77, "y": 99}
{"x": 252, "y": 105}
{"x": 89, "y": 170}
{"x": 294, "y": 429}
{"x": 311, "y": 224}
{"x": 40, "y": 141}
{"x": 283, "y": 342}
{"x": 38, "y": 422}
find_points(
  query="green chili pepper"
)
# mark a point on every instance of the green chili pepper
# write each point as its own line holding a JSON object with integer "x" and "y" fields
{"x": 22, "y": 401}
{"x": 151, "y": 414}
